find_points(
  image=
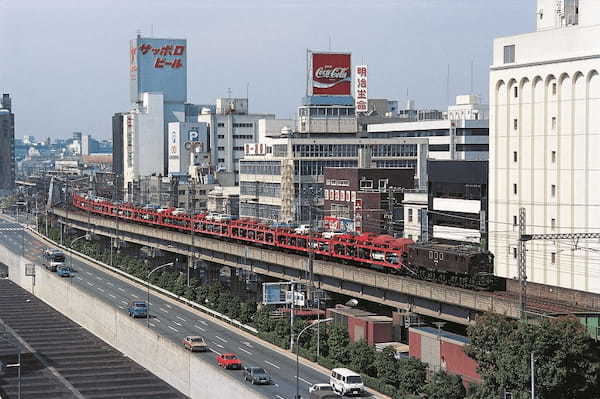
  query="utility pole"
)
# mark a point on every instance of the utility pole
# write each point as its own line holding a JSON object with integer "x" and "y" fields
{"x": 522, "y": 263}
{"x": 532, "y": 377}
{"x": 524, "y": 237}
{"x": 292, "y": 317}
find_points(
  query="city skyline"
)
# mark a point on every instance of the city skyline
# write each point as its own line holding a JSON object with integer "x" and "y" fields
{"x": 74, "y": 75}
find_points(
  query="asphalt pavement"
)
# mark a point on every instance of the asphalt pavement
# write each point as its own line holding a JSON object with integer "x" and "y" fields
{"x": 174, "y": 320}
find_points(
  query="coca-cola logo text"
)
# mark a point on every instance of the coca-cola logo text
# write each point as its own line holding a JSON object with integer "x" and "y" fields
{"x": 331, "y": 72}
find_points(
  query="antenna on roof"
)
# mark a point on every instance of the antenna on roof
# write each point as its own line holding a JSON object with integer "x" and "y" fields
{"x": 329, "y": 42}
{"x": 471, "y": 92}
{"x": 448, "y": 86}
{"x": 152, "y": 30}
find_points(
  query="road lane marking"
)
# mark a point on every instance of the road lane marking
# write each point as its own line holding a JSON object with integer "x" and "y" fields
{"x": 121, "y": 307}
{"x": 157, "y": 319}
{"x": 174, "y": 329}
{"x": 99, "y": 278}
{"x": 302, "y": 379}
{"x": 78, "y": 278}
{"x": 199, "y": 328}
{"x": 152, "y": 325}
{"x": 89, "y": 273}
{"x": 90, "y": 284}
{"x": 167, "y": 305}
{"x": 163, "y": 310}
{"x": 112, "y": 296}
{"x": 248, "y": 344}
{"x": 219, "y": 345}
{"x": 279, "y": 397}
{"x": 244, "y": 350}
{"x": 121, "y": 289}
{"x": 203, "y": 322}
{"x": 124, "y": 302}
{"x": 134, "y": 296}
{"x": 274, "y": 365}
{"x": 179, "y": 324}
{"x": 109, "y": 283}
{"x": 218, "y": 353}
{"x": 181, "y": 318}
{"x": 100, "y": 289}
{"x": 219, "y": 338}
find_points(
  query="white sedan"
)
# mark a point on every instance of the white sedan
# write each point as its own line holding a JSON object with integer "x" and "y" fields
{"x": 320, "y": 387}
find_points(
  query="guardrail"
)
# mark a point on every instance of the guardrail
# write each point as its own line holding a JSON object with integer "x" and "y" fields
{"x": 146, "y": 284}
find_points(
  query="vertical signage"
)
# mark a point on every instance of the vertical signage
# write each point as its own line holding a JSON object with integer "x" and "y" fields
{"x": 358, "y": 215}
{"x": 361, "y": 88}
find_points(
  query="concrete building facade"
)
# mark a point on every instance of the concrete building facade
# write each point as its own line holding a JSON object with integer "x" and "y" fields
{"x": 282, "y": 178}
{"x": 231, "y": 127}
{"x": 462, "y": 135}
{"x": 544, "y": 136}
{"x": 7, "y": 145}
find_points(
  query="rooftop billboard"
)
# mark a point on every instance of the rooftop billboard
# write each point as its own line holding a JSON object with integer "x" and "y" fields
{"x": 330, "y": 73}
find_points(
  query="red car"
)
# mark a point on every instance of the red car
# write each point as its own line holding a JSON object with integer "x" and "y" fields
{"x": 229, "y": 361}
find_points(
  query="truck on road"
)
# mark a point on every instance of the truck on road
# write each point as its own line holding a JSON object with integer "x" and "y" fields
{"x": 52, "y": 258}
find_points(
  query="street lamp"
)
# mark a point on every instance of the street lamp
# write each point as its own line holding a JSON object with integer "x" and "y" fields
{"x": 148, "y": 284}
{"x": 315, "y": 323}
{"x": 86, "y": 236}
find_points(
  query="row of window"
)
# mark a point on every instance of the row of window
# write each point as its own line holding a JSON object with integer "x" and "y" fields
{"x": 459, "y": 147}
{"x": 260, "y": 168}
{"x": 260, "y": 189}
{"x": 552, "y": 190}
{"x": 326, "y": 111}
{"x": 516, "y": 90}
{"x": 552, "y": 156}
{"x": 552, "y": 123}
{"x": 334, "y": 182}
{"x": 259, "y": 211}
{"x": 351, "y": 150}
{"x": 437, "y": 133}
{"x": 552, "y": 255}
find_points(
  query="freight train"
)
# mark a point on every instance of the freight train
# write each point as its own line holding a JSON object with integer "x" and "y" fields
{"x": 458, "y": 266}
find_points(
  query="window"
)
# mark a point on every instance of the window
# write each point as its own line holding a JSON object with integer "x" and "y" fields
{"x": 553, "y": 258}
{"x": 509, "y": 54}
{"x": 515, "y": 124}
{"x": 221, "y": 136}
{"x": 552, "y": 223}
{"x": 515, "y": 189}
{"x": 221, "y": 160}
{"x": 410, "y": 215}
{"x": 383, "y": 184}
{"x": 515, "y": 252}
{"x": 366, "y": 184}
{"x": 221, "y": 148}
{"x": 554, "y": 123}
{"x": 553, "y": 190}
{"x": 514, "y": 220}
{"x": 516, "y": 92}
{"x": 553, "y": 89}
{"x": 515, "y": 158}
{"x": 220, "y": 124}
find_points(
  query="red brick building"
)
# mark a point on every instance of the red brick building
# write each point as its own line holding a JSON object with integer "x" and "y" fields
{"x": 363, "y": 195}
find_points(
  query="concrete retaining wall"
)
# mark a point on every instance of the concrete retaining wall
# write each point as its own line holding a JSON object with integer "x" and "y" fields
{"x": 187, "y": 372}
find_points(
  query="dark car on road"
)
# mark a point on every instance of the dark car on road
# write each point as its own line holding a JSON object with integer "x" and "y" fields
{"x": 256, "y": 375}
{"x": 137, "y": 309}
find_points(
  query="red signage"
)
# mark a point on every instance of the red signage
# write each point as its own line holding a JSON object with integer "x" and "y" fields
{"x": 331, "y": 74}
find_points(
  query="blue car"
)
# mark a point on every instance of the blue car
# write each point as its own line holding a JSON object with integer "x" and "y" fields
{"x": 137, "y": 309}
{"x": 64, "y": 271}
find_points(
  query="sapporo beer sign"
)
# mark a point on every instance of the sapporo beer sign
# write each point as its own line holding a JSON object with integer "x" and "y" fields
{"x": 331, "y": 74}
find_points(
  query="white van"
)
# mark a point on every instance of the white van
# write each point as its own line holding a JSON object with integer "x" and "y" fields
{"x": 346, "y": 382}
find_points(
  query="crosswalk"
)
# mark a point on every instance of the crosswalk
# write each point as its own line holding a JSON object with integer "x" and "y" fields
{"x": 10, "y": 227}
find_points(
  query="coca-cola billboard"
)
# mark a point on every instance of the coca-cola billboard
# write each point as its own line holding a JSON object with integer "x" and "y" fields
{"x": 331, "y": 74}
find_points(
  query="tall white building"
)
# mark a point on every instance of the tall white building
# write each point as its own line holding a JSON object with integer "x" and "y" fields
{"x": 143, "y": 133}
{"x": 544, "y": 140}
{"x": 231, "y": 127}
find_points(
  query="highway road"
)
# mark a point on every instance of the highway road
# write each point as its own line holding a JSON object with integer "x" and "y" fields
{"x": 174, "y": 320}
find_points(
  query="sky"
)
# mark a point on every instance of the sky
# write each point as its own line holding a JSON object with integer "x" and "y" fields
{"x": 65, "y": 62}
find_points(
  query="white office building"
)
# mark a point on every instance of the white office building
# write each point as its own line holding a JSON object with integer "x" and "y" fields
{"x": 462, "y": 135}
{"x": 544, "y": 140}
{"x": 231, "y": 127}
{"x": 143, "y": 139}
